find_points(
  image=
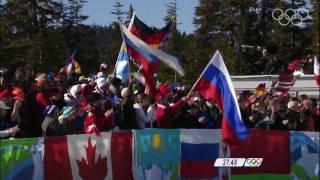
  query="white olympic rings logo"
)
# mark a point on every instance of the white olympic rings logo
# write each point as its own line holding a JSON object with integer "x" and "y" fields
{"x": 254, "y": 162}
{"x": 284, "y": 18}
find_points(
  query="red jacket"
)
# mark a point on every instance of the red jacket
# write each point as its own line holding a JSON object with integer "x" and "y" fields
{"x": 164, "y": 114}
{"x": 96, "y": 122}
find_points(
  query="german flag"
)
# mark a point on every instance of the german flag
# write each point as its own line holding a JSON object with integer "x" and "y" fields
{"x": 260, "y": 90}
{"x": 153, "y": 36}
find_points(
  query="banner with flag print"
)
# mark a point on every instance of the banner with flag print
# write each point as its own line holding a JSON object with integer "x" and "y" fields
{"x": 157, "y": 153}
{"x": 272, "y": 146}
{"x": 215, "y": 85}
{"x": 305, "y": 155}
{"x": 160, "y": 154}
{"x": 199, "y": 150}
{"x": 22, "y": 159}
{"x": 89, "y": 157}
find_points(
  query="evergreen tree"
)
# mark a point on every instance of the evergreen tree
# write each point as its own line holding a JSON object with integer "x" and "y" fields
{"x": 175, "y": 43}
{"x": 291, "y": 41}
{"x": 24, "y": 39}
{"x": 225, "y": 25}
{"x": 118, "y": 11}
{"x": 72, "y": 12}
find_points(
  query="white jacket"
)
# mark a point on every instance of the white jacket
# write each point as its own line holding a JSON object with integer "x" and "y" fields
{"x": 144, "y": 117}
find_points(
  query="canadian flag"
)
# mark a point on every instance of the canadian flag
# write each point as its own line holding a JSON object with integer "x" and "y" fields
{"x": 317, "y": 70}
{"x": 89, "y": 157}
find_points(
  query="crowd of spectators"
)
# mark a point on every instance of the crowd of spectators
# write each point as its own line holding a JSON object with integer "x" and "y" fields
{"x": 48, "y": 104}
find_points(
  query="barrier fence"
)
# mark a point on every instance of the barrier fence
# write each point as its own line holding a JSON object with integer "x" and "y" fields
{"x": 160, "y": 154}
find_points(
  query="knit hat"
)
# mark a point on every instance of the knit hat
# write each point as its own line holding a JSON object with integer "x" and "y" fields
{"x": 3, "y": 105}
{"x": 75, "y": 90}
{"x": 67, "y": 111}
{"x": 49, "y": 110}
{"x": 18, "y": 93}
{"x": 101, "y": 82}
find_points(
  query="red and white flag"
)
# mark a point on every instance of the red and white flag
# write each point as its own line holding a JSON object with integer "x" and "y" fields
{"x": 285, "y": 82}
{"x": 89, "y": 156}
{"x": 316, "y": 70}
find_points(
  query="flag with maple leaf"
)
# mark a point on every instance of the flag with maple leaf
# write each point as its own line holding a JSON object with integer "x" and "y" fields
{"x": 88, "y": 157}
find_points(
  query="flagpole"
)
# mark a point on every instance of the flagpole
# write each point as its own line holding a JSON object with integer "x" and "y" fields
{"x": 194, "y": 85}
{"x": 122, "y": 45}
{"x": 140, "y": 67}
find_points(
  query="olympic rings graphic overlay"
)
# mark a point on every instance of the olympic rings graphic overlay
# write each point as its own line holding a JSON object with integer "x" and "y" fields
{"x": 294, "y": 16}
{"x": 253, "y": 162}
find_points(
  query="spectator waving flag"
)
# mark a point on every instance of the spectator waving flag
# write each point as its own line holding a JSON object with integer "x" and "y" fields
{"x": 317, "y": 70}
{"x": 154, "y": 37}
{"x": 136, "y": 46}
{"x": 138, "y": 49}
{"x": 215, "y": 85}
{"x": 72, "y": 64}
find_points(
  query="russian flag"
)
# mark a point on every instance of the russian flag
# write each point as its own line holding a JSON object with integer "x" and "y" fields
{"x": 136, "y": 47}
{"x": 215, "y": 85}
{"x": 149, "y": 57}
{"x": 154, "y": 37}
{"x": 199, "y": 152}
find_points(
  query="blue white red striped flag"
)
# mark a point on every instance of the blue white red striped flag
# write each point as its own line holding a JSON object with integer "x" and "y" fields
{"x": 150, "y": 54}
{"x": 215, "y": 85}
